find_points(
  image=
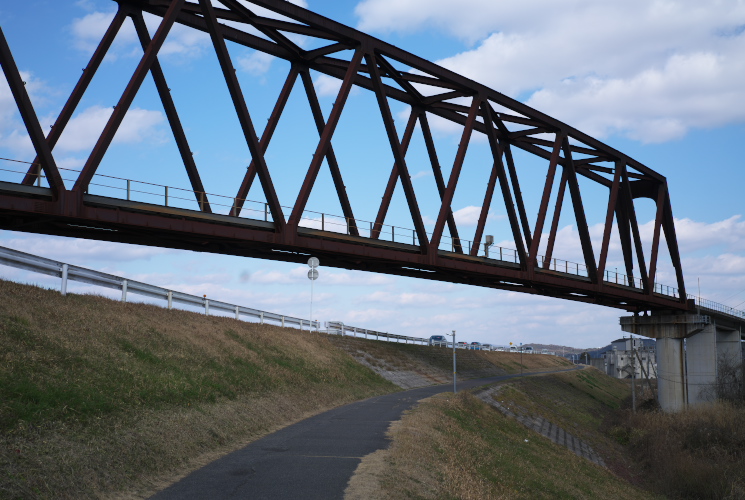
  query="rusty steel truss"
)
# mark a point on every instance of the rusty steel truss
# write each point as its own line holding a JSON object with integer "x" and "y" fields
{"x": 390, "y": 73}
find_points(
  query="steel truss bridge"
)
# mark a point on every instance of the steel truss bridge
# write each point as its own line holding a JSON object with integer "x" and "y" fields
{"x": 41, "y": 202}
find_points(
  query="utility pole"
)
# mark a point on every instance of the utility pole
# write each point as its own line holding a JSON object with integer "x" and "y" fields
{"x": 521, "y": 358}
{"x": 633, "y": 376}
{"x": 455, "y": 371}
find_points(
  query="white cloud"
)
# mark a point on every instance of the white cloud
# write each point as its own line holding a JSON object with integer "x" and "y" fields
{"x": 693, "y": 235}
{"x": 657, "y": 104}
{"x": 79, "y": 251}
{"x": 467, "y": 216}
{"x": 35, "y": 88}
{"x": 84, "y": 129}
{"x": 274, "y": 277}
{"x": 647, "y": 70}
{"x": 182, "y": 42}
{"x": 81, "y": 132}
{"x": 354, "y": 278}
{"x": 421, "y": 174}
{"x": 327, "y": 85}
{"x": 405, "y": 298}
{"x": 327, "y": 277}
{"x": 13, "y": 133}
{"x": 257, "y": 63}
{"x": 88, "y": 31}
{"x": 726, "y": 264}
{"x": 365, "y": 316}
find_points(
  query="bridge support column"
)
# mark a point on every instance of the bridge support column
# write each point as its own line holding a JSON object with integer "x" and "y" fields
{"x": 701, "y": 354}
{"x": 691, "y": 351}
{"x": 671, "y": 374}
{"x": 707, "y": 352}
{"x": 670, "y": 332}
{"x": 729, "y": 345}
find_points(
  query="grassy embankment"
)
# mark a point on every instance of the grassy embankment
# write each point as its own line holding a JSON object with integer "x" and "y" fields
{"x": 97, "y": 396}
{"x": 435, "y": 364}
{"x": 460, "y": 447}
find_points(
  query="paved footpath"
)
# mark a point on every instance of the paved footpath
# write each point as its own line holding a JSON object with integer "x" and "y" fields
{"x": 312, "y": 459}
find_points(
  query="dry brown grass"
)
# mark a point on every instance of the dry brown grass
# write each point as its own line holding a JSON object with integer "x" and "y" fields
{"x": 99, "y": 397}
{"x": 459, "y": 447}
{"x": 698, "y": 453}
{"x": 436, "y": 363}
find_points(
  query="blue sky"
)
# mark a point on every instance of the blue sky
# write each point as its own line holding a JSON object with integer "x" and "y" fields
{"x": 664, "y": 82}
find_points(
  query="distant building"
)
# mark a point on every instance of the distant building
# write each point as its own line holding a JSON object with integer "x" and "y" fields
{"x": 627, "y": 355}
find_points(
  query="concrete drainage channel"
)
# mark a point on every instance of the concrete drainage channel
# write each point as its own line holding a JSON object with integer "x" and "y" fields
{"x": 542, "y": 426}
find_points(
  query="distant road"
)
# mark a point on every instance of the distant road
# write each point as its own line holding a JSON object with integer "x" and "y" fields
{"x": 312, "y": 459}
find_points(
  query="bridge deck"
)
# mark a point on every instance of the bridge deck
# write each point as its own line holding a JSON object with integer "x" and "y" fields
{"x": 32, "y": 209}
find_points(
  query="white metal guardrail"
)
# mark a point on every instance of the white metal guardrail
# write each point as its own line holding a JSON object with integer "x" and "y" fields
{"x": 65, "y": 272}
{"x": 339, "y": 328}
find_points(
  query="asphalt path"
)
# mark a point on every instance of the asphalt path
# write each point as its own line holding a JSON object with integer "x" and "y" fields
{"x": 312, "y": 459}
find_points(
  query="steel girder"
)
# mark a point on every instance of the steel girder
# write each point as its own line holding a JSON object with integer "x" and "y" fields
{"x": 390, "y": 73}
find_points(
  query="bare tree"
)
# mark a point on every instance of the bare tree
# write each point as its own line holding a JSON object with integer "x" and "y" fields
{"x": 729, "y": 381}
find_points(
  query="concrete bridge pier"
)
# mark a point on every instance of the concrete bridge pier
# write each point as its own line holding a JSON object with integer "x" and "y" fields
{"x": 690, "y": 348}
{"x": 671, "y": 374}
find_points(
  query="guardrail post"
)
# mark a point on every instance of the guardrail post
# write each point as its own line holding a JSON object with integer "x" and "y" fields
{"x": 206, "y": 306}
{"x": 323, "y": 222}
{"x": 63, "y": 287}
{"x": 237, "y": 313}
{"x": 170, "y": 299}
{"x": 166, "y": 196}
{"x": 129, "y": 183}
{"x": 261, "y": 317}
{"x": 124, "y": 291}
{"x": 283, "y": 321}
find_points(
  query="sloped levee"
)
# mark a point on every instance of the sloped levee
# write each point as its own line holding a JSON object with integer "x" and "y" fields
{"x": 409, "y": 366}
{"x": 99, "y": 397}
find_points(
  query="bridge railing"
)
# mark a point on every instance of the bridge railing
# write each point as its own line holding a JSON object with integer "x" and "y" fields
{"x": 339, "y": 328}
{"x": 715, "y": 306}
{"x": 65, "y": 272}
{"x": 168, "y": 196}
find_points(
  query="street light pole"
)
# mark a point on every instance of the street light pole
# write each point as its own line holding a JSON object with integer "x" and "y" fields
{"x": 313, "y": 263}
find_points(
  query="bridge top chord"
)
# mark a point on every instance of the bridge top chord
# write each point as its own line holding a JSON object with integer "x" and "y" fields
{"x": 107, "y": 207}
